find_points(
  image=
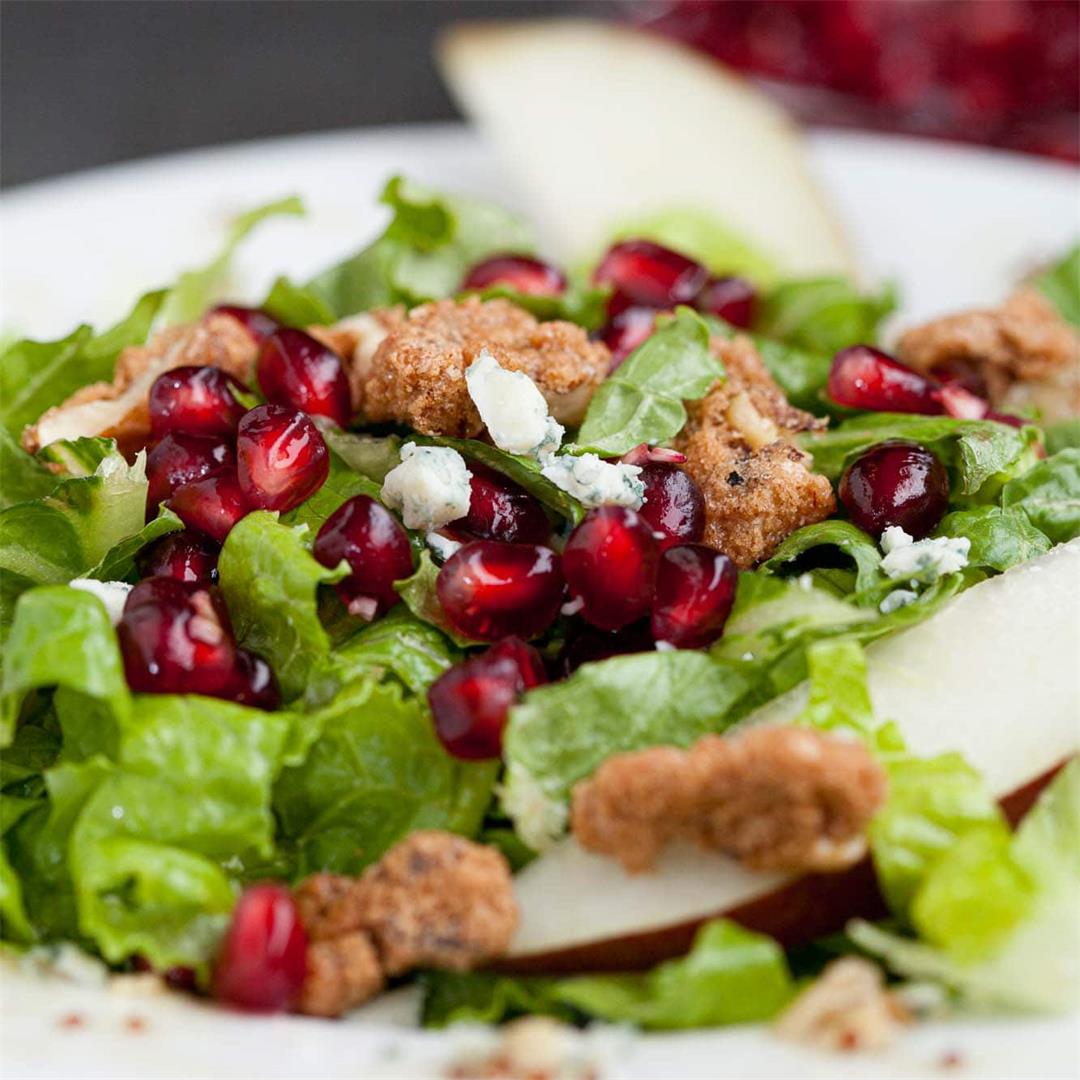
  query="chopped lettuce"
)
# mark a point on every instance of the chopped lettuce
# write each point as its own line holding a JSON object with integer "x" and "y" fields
{"x": 22, "y": 477}
{"x": 851, "y": 542}
{"x": 1061, "y": 284}
{"x": 372, "y": 456}
{"x": 77, "y": 457}
{"x": 581, "y": 303}
{"x": 642, "y": 402}
{"x": 296, "y": 305}
{"x": 418, "y": 593}
{"x": 118, "y": 563}
{"x": 1063, "y": 435}
{"x": 342, "y": 483}
{"x": 1049, "y": 496}
{"x": 1000, "y": 538}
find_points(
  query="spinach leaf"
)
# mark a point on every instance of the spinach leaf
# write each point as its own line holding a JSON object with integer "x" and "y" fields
{"x": 1049, "y": 495}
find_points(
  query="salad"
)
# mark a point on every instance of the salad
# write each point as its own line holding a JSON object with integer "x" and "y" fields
{"x": 330, "y": 623}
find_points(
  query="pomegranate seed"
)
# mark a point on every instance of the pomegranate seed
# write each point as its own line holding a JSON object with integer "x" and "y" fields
{"x": 186, "y": 556}
{"x": 195, "y": 401}
{"x": 282, "y": 458}
{"x": 674, "y": 505}
{"x": 296, "y": 370}
{"x": 1007, "y": 418}
{"x": 212, "y": 505}
{"x": 469, "y": 703}
{"x": 961, "y": 403}
{"x": 626, "y": 331}
{"x": 586, "y": 644}
{"x": 501, "y": 510}
{"x": 254, "y": 320}
{"x": 263, "y": 958}
{"x": 895, "y": 483}
{"x": 695, "y": 588}
{"x": 253, "y": 683}
{"x": 962, "y": 373}
{"x": 372, "y": 541}
{"x": 643, "y": 452}
{"x": 732, "y": 299}
{"x": 610, "y": 565}
{"x": 862, "y": 377}
{"x": 649, "y": 274}
{"x": 489, "y": 589}
{"x": 176, "y": 638}
{"x": 180, "y": 459}
{"x": 522, "y": 273}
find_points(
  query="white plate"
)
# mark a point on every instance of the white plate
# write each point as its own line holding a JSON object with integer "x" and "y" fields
{"x": 952, "y": 226}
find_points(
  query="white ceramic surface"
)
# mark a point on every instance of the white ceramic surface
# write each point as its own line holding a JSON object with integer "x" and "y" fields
{"x": 952, "y": 226}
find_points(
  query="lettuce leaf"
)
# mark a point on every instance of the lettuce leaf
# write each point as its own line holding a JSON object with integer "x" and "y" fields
{"x": 1061, "y": 284}
{"x": 372, "y": 456}
{"x": 270, "y": 581}
{"x": 1049, "y": 496}
{"x": 418, "y": 593}
{"x": 642, "y": 402}
{"x": 22, "y": 477}
{"x": 296, "y": 305}
{"x": 375, "y": 773}
{"x": 77, "y": 457}
{"x": 430, "y": 243}
{"x": 823, "y": 314}
{"x": 1063, "y": 435}
{"x": 581, "y": 303}
{"x": 118, "y": 563}
{"x": 852, "y": 542}
{"x": 999, "y": 538}
{"x": 342, "y": 483}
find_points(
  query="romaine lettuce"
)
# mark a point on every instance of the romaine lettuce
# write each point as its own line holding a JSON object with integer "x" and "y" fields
{"x": 1061, "y": 284}
{"x": 1049, "y": 495}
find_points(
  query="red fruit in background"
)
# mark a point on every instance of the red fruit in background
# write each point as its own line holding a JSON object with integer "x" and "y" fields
{"x": 281, "y": 457}
{"x": 195, "y": 401}
{"x": 960, "y": 372}
{"x": 180, "y": 459}
{"x": 176, "y": 638}
{"x": 469, "y": 703}
{"x": 257, "y": 323}
{"x": 297, "y": 371}
{"x": 585, "y": 644}
{"x": 522, "y": 273}
{"x": 610, "y": 565}
{"x": 262, "y": 962}
{"x": 626, "y": 331}
{"x": 212, "y": 505}
{"x": 862, "y": 377}
{"x": 695, "y": 589}
{"x": 187, "y": 556}
{"x": 499, "y": 509}
{"x": 674, "y": 505}
{"x": 961, "y": 403}
{"x": 253, "y": 683}
{"x": 732, "y": 299}
{"x": 375, "y": 545}
{"x": 895, "y": 483}
{"x": 650, "y": 275}
{"x": 489, "y": 590}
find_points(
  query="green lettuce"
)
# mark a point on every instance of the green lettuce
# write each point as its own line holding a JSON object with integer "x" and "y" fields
{"x": 77, "y": 457}
{"x": 1061, "y": 284}
{"x": 1049, "y": 496}
{"x": 851, "y": 542}
{"x": 420, "y": 597}
{"x": 342, "y": 483}
{"x": 119, "y": 562}
{"x": 22, "y": 477}
{"x": 580, "y": 303}
{"x": 296, "y": 305}
{"x": 1000, "y": 538}
{"x": 1063, "y": 435}
{"x": 642, "y": 402}
{"x": 375, "y": 773}
{"x": 372, "y": 456}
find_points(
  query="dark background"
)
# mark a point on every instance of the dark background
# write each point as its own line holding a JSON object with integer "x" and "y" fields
{"x": 91, "y": 82}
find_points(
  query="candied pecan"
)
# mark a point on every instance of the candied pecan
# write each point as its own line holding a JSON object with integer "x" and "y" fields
{"x": 327, "y": 905}
{"x": 356, "y": 339}
{"x": 342, "y": 972}
{"x": 740, "y": 449}
{"x": 775, "y": 798}
{"x": 418, "y": 371}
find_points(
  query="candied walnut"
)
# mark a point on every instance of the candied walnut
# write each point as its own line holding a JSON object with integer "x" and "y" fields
{"x": 327, "y": 906}
{"x": 356, "y": 339}
{"x": 418, "y": 371}
{"x": 847, "y": 1008}
{"x": 342, "y": 972}
{"x": 437, "y": 900}
{"x": 775, "y": 798}
{"x": 740, "y": 449}
{"x": 1024, "y": 352}
{"x": 119, "y": 409}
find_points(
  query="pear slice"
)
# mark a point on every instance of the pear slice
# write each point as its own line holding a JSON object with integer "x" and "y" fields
{"x": 994, "y": 675}
{"x": 601, "y": 124}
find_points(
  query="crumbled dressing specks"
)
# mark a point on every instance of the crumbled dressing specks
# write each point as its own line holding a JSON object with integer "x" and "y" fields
{"x": 430, "y": 487}
{"x": 594, "y": 482}
{"x": 113, "y": 594}
{"x": 922, "y": 560}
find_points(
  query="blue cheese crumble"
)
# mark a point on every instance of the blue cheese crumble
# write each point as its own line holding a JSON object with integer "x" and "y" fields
{"x": 113, "y": 594}
{"x": 896, "y": 600}
{"x": 514, "y": 411}
{"x": 923, "y": 560}
{"x": 430, "y": 487}
{"x": 594, "y": 482}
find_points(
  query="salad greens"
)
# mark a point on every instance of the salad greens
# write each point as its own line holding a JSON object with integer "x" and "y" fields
{"x": 1060, "y": 283}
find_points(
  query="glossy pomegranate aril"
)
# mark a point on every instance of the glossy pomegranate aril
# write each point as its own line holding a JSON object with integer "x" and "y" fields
{"x": 522, "y": 273}
{"x": 180, "y": 459}
{"x": 895, "y": 483}
{"x": 186, "y": 555}
{"x": 375, "y": 545}
{"x": 489, "y": 590}
{"x": 961, "y": 403}
{"x": 499, "y": 509}
{"x": 960, "y": 372}
{"x": 626, "y": 331}
{"x": 695, "y": 589}
{"x": 297, "y": 371}
{"x": 648, "y": 274}
{"x": 212, "y": 505}
{"x": 610, "y": 565}
{"x": 255, "y": 321}
{"x": 862, "y": 377}
{"x": 253, "y": 683}
{"x": 176, "y": 638}
{"x": 585, "y": 644}
{"x": 469, "y": 703}
{"x": 281, "y": 457}
{"x": 674, "y": 505}
{"x": 262, "y": 962}
{"x": 195, "y": 401}
{"x": 732, "y": 299}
